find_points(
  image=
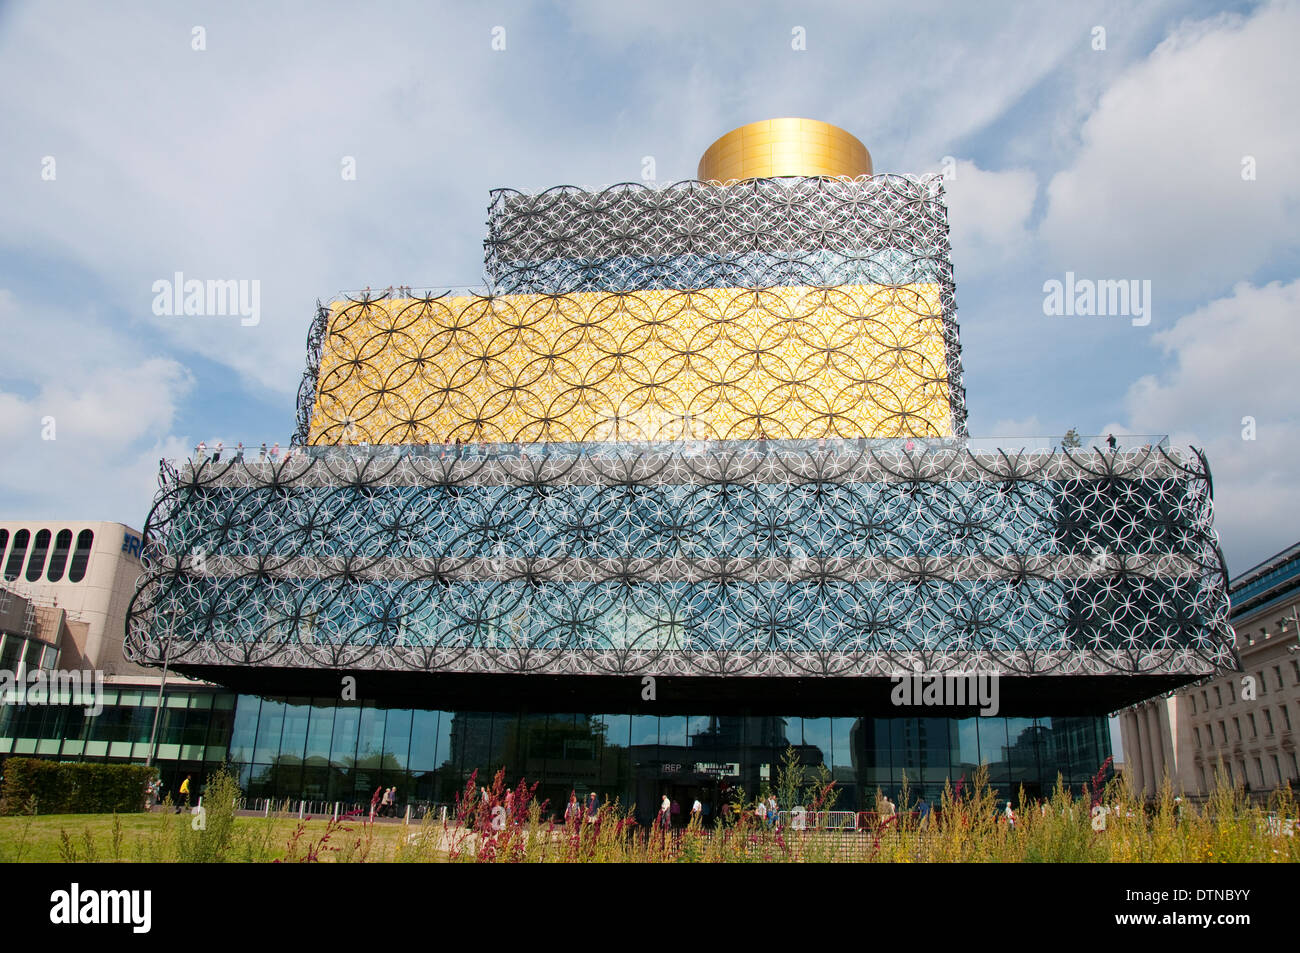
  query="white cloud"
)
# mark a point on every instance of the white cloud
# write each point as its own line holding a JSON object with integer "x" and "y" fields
{"x": 109, "y": 410}
{"x": 1156, "y": 188}
{"x": 988, "y": 215}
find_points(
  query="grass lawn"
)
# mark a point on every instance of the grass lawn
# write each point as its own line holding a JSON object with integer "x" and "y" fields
{"x": 91, "y": 836}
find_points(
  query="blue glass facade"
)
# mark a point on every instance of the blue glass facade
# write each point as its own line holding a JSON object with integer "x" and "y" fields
{"x": 324, "y": 751}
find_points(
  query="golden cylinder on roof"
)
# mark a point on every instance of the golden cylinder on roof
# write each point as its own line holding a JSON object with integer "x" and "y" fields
{"x": 784, "y": 147}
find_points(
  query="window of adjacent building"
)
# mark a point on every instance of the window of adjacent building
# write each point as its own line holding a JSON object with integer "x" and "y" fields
{"x": 77, "y": 571}
{"x": 1253, "y": 732}
{"x": 1268, "y": 720}
{"x": 1200, "y": 771}
{"x": 1218, "y": 697}
{"x": 1277, "y": 769}
{"x": 1286, "y": 717}
{"x": 59, "y": 559}
{"x": 1205, "y": 700}
{"x": 1295, "y": 663}
{"x": 1197, "y": 732}
{"x": 14, "y": 565}
{"x": 1263, "y": 686}
{"x": 40, "y": 549}
{"x": 1259, "y": 769}
{"x": 1277, "y": 672}
{"x": 1192, "y": 699}
{"x": 1236, "y": 724}
{"x": 4, "y": 542}
{"x": 1295, "y": 770}
{"x": 1223, "y": 730}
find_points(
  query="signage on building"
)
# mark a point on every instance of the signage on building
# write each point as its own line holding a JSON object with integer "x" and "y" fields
{"x": 132, "y": 544}
{"x": 729, "y": 769}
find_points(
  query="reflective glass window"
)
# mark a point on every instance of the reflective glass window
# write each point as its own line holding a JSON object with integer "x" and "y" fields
{"x": 993, "y": 746}
{"x": 967, "y": 756}
{"x": 59, "y": 559}
{"x": 1022, "y": 740}
{"x": 36, "y": 562}
{"x": 320, "y": 732}
{"x": 81, "y": 556}
{"x": 397, "y": 739}
{"x": 842, "y": 766}
{"x": 14, "y": 564}
{"x": 370, "y": 738}
{"x": 424, "y": 741}
{"x": 817, "y": 736}
{"x": 269, "y": 727}
{"x": 293, "y": 737}
{"x": 343, "y": 748}
{"x": 672, "y": 731}
{"x": 243, "y": 736}
{"x": 645, "y": 730}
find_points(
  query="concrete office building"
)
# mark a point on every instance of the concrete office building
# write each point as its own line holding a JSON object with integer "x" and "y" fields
{"x": 64, "y": 592}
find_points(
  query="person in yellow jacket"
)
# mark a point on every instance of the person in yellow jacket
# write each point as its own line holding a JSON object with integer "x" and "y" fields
{"x": 185, "y": 793}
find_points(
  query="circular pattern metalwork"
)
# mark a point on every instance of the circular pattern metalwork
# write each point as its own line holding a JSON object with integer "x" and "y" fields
{"x": 718, "y": 363}
{"x": 810, "y": 237}
{"x": 755, "y": 558}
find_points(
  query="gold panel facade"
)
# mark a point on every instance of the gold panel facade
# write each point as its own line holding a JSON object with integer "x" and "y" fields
{"x": 774, "y": 147}
{"x": 723, "y": 363}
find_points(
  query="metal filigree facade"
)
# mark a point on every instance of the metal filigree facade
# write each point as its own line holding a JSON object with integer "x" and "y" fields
{"x": 708, "y": 431}
{"x": 803, "y": 308}
{"x": 739, "y": 558}
{"x": 718, "y": 363}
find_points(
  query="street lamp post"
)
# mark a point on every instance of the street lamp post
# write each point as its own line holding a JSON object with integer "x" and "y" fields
{"x": 162, "y": 684}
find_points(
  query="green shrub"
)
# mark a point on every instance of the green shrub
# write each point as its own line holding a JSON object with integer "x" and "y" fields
{"x": 73, "y": 787}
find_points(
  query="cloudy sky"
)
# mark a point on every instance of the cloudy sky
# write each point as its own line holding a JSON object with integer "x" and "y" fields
{"x": 1157, "y": 142}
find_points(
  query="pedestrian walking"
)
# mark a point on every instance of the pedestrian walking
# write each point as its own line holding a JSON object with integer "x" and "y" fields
{"x": 239, "y": 452}
{"x": 262, "y": 453}
{"x": 185, "y": 793}
{"x": 665, "y": 812}
{"x": 593, "y": 807}
{"x": 201, "y": 452}
{"x": 216, "y": 452}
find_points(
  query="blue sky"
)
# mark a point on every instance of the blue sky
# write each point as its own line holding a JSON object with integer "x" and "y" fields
{"x": 1117, "y": 163}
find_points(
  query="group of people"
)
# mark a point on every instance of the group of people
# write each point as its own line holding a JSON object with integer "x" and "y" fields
{"x": 588, "y": 810}
{"x": 383, "y": 803}
{"x": 153, "y": 793}
{"x": 201, "y": 452}
{"x": 766, "y": 811}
